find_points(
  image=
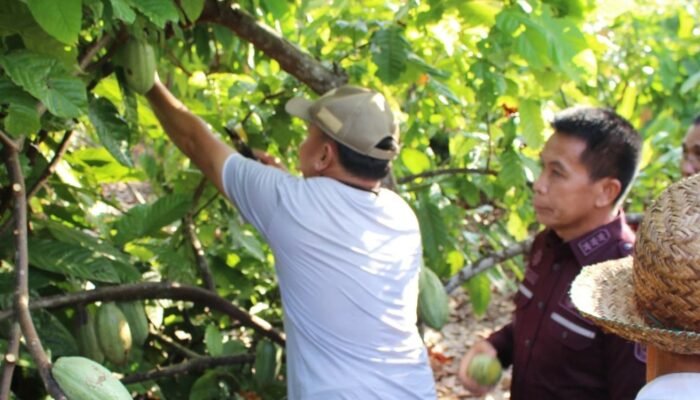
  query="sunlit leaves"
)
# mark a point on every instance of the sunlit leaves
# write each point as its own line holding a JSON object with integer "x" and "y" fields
{"x": 112, "y": 129}
{"x": 61, "y": 19}
{"x": 390, "y": 51}
{"x": 531, "y": 123}
{"x": 158, "y": 11}
{"x": 148, "y": 219}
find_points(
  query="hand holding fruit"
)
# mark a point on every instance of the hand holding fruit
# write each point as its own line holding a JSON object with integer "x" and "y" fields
{"x": 480, "y": 370}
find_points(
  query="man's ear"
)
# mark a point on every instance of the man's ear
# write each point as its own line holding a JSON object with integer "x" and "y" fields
{"x": 327, "y": 156}
{"x": 608, "y": 191}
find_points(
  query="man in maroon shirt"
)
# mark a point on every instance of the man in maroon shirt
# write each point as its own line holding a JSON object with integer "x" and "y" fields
{"x": 587, "y": 166}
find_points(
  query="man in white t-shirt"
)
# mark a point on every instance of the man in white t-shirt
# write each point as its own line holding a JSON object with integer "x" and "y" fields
{"x": 347, "y": 251}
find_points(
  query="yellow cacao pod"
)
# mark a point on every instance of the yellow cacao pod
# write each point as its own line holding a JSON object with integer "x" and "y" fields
{"x": 433, "y": 302}
{"x": 138, "y": 60}
{"x": 113, "y": 333}
{"x": 267, "y": 362}
{"x": 138, "y": 323}
{"x": 485, "y": 370}
{"x": 83, "y": 379}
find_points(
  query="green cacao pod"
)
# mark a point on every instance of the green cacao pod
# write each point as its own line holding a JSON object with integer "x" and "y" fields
{"x": 83, "y": 379}
{"x": 138, "y": 323}
{"x": 113, "y": 333}
{"x": 433, "y": 302}
{"x": 85, "y": 333}
{"x": 485, "y": 370}
{"x": 138, "y": 59}
{"x": 267, "y": 362}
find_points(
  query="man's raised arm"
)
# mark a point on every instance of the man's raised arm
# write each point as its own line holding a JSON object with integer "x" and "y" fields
{"x": 189, "y": 133}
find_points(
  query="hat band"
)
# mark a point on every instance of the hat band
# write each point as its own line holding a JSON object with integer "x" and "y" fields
{"x": 656, "y": 323}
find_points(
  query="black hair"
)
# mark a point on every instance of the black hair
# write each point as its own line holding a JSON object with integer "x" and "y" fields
{"x": 613, "y": 146}
{"x": 363, "y": 166}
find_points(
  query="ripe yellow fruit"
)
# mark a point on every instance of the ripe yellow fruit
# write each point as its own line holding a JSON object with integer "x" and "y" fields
{"x": 485, "y": 370}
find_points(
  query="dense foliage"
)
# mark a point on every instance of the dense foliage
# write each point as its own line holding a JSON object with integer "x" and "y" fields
{"x": 111, "y": 202}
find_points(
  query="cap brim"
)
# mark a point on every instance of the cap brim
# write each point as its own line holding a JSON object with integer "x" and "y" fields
{"x": 604, "y": 293}
{"x": 299, "y": 107}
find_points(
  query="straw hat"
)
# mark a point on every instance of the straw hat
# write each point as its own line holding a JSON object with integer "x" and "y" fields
{"x": 653, "y": 298}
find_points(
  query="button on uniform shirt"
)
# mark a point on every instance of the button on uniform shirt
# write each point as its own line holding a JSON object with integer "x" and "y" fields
{"x": 555, "y": 352}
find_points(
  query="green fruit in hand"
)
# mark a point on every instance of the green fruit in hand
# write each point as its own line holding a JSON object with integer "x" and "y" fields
{"x": 83, "y": 379}
{"x": 433, "y": 303}
{"x": 138, "y": 60}
{"x": 485, "y": 370}
{"x": 138, "y": 323}
{"x": 113, "y": 333}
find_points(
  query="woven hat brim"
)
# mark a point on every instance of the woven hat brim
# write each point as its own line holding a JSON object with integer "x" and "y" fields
{"x": 604, "y": 293}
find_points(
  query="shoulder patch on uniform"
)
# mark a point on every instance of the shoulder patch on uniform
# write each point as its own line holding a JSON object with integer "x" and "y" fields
{"x": 594, "y": 241}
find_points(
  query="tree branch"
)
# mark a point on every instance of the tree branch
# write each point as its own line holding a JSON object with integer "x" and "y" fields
{"x": 157, "y": 290}
{"x": 201, "y": 261}
{"x": 194, "y": 365}
{"x": 11, "y": 357}
{"x": 487, "y": 262}
{"x": 177, "y": 346}
{"x": 446, "y": 171}
{"x": 58, "y": 154}
{"x": 290, "y": 58}
{"x": 21, "y": 296}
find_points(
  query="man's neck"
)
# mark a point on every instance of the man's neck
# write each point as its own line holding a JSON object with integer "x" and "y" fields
{"x": 590, "y": 223}
{"x": 370, "y": 185}
{"x": 660, "y": 362}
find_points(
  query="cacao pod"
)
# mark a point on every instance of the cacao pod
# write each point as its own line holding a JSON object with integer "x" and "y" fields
{"x": 113, "y": 333}
{"x": 87, "y": 338}
{"x": 83, "y": 379}
{"x": 433, "y": 302}
{"x": 267, "y": 362}
{"x": 485, "y": 369}
{"x": 138, "y": 323}
{"x": 138, "y": 60}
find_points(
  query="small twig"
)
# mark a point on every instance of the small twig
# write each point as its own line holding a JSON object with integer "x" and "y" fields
{"x": 563, "y": 98}
{"x": 21, "y": 297}
{"x": 8, "y": 142}
{"x": 58, "y": 155}
{"x": 172, "y": 343}
{"x": 206, "y": 204}
{"x": 157, "y": 290}
{"x": 446, "y": 171}
{"x": 10, "y": 358}
{"x": 189, "y": 230}
{"x": 194, "y": 365}
{"x": 93, "y": 49}
{"x": 487, "y": 262}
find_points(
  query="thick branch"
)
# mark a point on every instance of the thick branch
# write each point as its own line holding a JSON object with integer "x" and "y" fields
{"x": 157, "y": 290}
{"x": 21, "y": 297}
{"x": 446, "y": 171}
{"x": 290, "y": 58}
{"x": 10, "y": 358}
{"x": 175, "y": 345}
{"x": 487, "y": 262}
{"x": 194, "y": 365}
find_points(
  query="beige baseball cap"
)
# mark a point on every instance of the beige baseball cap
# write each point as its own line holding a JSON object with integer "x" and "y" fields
{"x": 357, "y": 117}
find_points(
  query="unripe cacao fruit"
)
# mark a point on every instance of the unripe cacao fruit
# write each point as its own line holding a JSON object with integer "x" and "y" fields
{"x": 113, "y": 333}
{"x": 485, "y": 369}
{"x": 138, "y": 323}
{"x": 433, "y": 302}
{"x": 138, "y": 59}
{"x": 267, "y": 362}
{"x": 86, "y": 336}
{"x": 83, "y": 379}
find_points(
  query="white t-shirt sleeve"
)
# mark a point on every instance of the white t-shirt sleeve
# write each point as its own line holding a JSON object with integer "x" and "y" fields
{"x": 254, "y": 188}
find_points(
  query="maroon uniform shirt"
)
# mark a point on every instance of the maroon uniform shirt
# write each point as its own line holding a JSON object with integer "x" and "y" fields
{"x": 556, "y": 353}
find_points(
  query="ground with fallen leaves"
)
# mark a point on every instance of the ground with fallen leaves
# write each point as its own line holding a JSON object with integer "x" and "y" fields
{"x": 447, "y": 346}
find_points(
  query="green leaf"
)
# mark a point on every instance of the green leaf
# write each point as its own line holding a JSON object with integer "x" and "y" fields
{"x": 479, "y": 288}
{"x": 214, "y": 341}
{"x": 14, "y": 17}
{"x": 71, "y": 260}
{"x": 46, "y": 79}
{"x": 278, "y": 8}
{"x": 532, "y": 123}
{"x": 112, "y": 129}
{"x": 690, "y": 83}
{"x": 148, "y": 219}
{"x": 247, "y": 240}
{"x": 158, "y": 11}
{"x": 123, "y": 11}
{"x": 193, "y": 9}
{"x": 22, "y": 116}
{"x": 390, "y": 51}
{"x": 511, "y": 174}
{"x": 416, "y": 161}
{"x": 61, "y": 19}
{"x": 434, "y": 233}
{"x": 55, "y": 337}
